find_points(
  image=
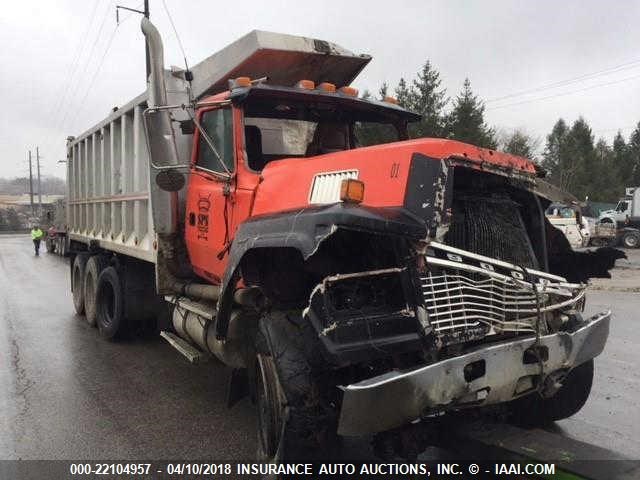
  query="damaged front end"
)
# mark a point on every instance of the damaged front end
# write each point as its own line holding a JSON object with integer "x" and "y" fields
{"x": 497, "y": 331}
{"x": 472, "y": 316}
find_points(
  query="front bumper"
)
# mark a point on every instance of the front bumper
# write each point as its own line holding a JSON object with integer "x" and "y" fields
{"x": 396, "y": 398}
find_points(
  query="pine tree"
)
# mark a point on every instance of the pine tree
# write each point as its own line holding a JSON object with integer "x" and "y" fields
{"x": 554, "y": 157}
{"x": 604, "y": 181}
{"x": 466, "y": 120}
{"x": 634, "y": 157}
{"x": 622, "y": 160}
{"x": 520, "y": 143}
{"x": 428, "y": 99}
{"x": 403, "y": 95}
{"x": 582, "y": 156}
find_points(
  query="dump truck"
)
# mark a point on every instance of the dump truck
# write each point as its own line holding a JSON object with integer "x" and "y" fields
{"x": 355, "y": 281}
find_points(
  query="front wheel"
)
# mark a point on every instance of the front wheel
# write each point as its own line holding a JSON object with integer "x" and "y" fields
{"x": 535, "y": 411}
{"x": 294, "y": 423}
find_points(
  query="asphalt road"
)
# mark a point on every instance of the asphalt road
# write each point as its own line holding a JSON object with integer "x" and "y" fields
{"x": 67, "y": 394}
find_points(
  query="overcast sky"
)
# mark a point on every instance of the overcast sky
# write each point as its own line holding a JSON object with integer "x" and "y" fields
{"x": 50, "y": 86}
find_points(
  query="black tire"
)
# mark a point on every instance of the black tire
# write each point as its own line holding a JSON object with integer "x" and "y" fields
{"x": 631, "y": 239}
{"x": 110, "y": 305}
{"x": 77, "y": 281}
{"x": 95, "y": 265}
{"x": 294, "y": 423}
{"x": 50, "y": 245}
{"x": 536, "y": 411}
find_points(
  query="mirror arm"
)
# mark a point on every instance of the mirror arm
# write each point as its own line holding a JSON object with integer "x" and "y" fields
{"x": 227, "y": 176}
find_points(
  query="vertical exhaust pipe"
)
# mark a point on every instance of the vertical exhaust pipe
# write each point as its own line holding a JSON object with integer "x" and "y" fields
{"x": 160, "y": 133}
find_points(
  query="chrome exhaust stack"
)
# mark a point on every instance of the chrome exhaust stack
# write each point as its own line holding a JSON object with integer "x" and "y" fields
{"x": 161, "y": 139}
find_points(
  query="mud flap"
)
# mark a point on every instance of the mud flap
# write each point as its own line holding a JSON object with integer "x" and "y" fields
{"x": 237, "y": 385}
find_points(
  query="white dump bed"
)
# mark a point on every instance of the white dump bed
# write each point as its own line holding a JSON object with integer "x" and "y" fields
{"x": 108, "y": 171}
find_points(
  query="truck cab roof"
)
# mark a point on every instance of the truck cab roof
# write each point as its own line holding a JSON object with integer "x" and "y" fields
{"x": 364, "y": 108}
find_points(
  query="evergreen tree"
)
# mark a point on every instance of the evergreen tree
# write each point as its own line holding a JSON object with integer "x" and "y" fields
{"x": 427, "y": 98}
{"x": 554, "y": 157}
{"x": 603, "y": 183}
{"x": 582, "y": 157}
{"x": 403, "y": 95}
{"x": 622, "y": 159}
{"x": 466, "y": 120}
{"x": 520, "y": 143}
{"x": 634, "y": 158}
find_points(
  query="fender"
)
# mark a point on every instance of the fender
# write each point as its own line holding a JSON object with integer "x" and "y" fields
{"x": 304, "y": 230}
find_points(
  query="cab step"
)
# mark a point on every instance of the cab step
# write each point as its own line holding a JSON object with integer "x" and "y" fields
{"x": 190, "y": 352}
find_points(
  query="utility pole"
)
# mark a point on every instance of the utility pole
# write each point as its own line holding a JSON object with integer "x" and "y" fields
{"x": 39, "y": 183}
{"x": 31, "y": 184}
{"x": 144, "y": 12}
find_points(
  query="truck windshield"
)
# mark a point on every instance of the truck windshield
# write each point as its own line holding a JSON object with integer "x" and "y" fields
{"x": 622, "y": 206}
{"x": 277, "y": 128}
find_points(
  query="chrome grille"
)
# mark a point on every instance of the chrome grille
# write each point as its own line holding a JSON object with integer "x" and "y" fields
{"x": 458, "y": 301}
{"x": 468, "y": 293}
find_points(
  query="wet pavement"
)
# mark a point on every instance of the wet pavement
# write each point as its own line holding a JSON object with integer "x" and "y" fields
{"x": 67, "y": 394}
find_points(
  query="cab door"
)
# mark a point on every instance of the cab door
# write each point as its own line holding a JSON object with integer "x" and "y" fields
{"x": 211, "y": 193}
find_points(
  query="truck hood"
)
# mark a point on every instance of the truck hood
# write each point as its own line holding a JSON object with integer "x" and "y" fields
{"x": 295, "y": 183}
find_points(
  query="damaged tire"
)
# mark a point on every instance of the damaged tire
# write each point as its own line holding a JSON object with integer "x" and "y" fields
{"x": 535, "y": 411}
{"x": 293, "y": 423}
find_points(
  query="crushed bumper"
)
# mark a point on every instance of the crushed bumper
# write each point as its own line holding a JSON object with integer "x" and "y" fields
{"x": 397, "y": 398}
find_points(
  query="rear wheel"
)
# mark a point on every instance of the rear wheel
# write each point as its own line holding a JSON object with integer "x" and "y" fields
{"x": 293, "y": 422}
{"x": 50, "y": 245}
{"x": 534, "y": 410}
{"x": 631, "y": 239}
{"x": 94, "y": 267}
{"x": 77, "y": 281}
{"x": 110, "y": 304}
